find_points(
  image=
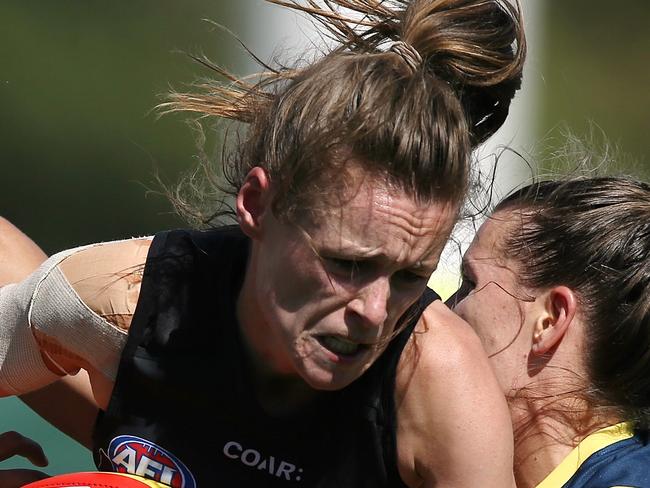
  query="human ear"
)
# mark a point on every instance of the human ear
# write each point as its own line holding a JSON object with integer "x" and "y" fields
{"x": 557, "y": 314}
{"x": 252, "y": 201}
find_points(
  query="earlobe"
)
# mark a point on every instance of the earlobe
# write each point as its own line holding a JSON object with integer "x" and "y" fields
{"x": 252, "y": 201}
{"x": 553, "y": 323}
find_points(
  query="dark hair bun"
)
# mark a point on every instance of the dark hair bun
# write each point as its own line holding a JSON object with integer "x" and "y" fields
{"x": 478, "y": 47}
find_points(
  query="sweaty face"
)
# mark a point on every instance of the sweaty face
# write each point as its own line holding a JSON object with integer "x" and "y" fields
{"x": 495, "y": 305}
{"x": 330, "y": 290}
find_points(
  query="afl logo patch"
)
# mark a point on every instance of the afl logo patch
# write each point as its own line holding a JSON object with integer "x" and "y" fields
{"x": 134, "y": 455}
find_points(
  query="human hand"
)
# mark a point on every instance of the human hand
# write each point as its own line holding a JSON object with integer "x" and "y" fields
{"x": 15, "y": 444}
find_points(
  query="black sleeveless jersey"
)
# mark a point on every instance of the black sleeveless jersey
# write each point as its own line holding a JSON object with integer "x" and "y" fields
{"x": 184, "y": 412}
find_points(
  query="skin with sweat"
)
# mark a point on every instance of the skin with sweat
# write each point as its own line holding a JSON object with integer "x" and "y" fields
{"x": 321, "y": 299}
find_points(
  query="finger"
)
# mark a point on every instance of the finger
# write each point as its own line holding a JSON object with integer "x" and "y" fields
{"x": 15, "y": 478}
{"x": 14, "y": 444}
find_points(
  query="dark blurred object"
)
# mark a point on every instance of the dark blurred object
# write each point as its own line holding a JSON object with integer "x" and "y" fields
{"x": 14, "y": 444}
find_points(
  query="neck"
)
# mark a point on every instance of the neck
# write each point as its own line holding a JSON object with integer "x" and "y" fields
{"x": 541, "y": 444}
{"x": 546, "y": 430}
{"x": 550, "y": 412}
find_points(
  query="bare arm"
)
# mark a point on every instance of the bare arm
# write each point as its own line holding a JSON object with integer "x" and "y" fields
{"x": 454, "y": 427}
{"x": 67, "y": 404}
{"x": 19, "y": 255}
{"x": 72, "y": 313}
{"x": 70, "y": 403}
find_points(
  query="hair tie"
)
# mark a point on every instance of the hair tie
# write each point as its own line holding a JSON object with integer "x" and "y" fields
{"x": 408, "y": 53}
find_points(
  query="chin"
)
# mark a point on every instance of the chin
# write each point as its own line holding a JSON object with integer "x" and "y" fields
{"x": 327, "y": 384}
{"x": 323, "y": 370}
{"x": 329, "y": 379}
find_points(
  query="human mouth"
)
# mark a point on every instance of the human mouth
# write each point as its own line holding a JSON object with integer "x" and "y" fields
{"x": 341, "y": 346}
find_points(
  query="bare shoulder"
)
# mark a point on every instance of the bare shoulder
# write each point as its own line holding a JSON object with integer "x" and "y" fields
{"x": 107, "y": 277}
{"x": 443, "y": 349}
{"x": 454, "y": 427}
{"x": 443, "y": 340}
{"x": 443, "y": 356}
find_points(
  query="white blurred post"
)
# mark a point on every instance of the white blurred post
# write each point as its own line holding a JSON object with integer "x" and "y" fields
{"x": 274, "y": 31}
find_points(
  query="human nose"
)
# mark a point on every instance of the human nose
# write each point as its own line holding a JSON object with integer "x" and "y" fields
{"x": 371, "y": 303}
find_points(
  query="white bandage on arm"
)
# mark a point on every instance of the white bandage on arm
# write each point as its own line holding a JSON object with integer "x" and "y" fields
{"x": 45, "y": 303}
{"x": 21, "y": 366}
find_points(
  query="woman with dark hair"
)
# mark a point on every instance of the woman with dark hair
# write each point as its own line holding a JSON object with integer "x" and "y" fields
{"x": 300, "y": 345}
{"x": 556, "y": 284}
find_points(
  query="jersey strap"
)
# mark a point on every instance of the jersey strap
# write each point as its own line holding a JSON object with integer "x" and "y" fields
{"x": 593, "y": 443}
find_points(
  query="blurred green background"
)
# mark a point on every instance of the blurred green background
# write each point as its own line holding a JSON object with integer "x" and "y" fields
{"x": 79, "y": 145}
{"x": 595, "y": 67}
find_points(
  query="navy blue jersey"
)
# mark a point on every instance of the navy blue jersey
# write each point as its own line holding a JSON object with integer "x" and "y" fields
{"x": 615, "y": 457}
{"x": 184, "y": 409}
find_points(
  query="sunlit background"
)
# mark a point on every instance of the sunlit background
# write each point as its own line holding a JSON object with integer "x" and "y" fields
{"x": 79, "y": 144}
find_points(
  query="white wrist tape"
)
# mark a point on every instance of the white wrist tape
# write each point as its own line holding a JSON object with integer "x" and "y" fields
{"x": 45, "y": 302}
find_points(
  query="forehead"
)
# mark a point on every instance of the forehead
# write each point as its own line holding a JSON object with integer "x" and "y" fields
{"x": 489, "y": 240}
{"x": 380, "y": 219}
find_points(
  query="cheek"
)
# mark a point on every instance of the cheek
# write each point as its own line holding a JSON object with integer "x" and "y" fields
{"x": 400, "y": 304}
{"x": 497, "y": 323}
{"x": 469, "y": 310}
{"x": 296, "y": 282}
